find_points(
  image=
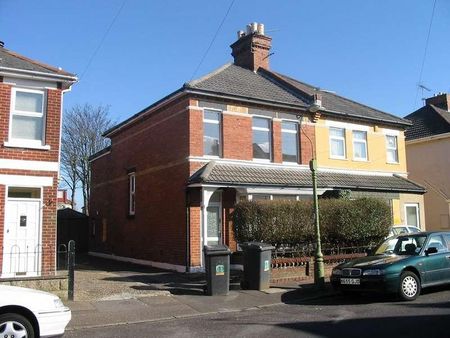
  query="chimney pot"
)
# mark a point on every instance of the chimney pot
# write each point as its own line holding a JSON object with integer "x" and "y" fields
{"x": 261, "y": 28}
{"x": 2, "y": 44}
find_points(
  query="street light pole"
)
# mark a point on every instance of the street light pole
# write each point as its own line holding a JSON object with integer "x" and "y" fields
{"x": 319, "y": 274}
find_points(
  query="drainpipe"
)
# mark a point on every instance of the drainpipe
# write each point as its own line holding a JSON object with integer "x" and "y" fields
{"x": 188, "y": 231}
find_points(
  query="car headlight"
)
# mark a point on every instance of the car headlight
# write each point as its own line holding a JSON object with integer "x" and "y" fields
{"x": 337, "y": 272}
{"x": 373, "y": 272}
{"x": 58, "y": 303}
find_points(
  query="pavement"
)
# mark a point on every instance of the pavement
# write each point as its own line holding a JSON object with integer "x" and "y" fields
{"x": 109, "y": 293}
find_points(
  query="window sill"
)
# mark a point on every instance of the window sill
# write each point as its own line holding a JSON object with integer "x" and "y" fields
{"x": 261, "y": 160}
{"x": 360, "y": 160}
{"x": 392, "y": 162}
{"x": 338, "y": 158}
{"x": 26, "y": 145}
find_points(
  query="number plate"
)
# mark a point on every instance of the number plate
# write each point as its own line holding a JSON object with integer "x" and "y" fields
{"x": 350, "y": 281}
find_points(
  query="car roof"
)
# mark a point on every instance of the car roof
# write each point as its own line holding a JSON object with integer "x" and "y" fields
{"x": 423, "y": 233}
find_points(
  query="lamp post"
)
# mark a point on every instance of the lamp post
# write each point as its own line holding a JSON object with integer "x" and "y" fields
{"x": 319, "y": 273}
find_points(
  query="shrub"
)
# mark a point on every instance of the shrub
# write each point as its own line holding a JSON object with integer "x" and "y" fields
{"x": 343, "y": 222}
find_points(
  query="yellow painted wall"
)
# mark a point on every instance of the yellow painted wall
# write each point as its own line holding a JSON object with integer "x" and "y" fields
{"x": 376, "y": 150}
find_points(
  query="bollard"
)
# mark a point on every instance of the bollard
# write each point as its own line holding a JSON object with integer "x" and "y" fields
{"x": 71, "y": 268}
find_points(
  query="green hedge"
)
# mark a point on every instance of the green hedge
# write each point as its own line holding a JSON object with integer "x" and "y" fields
{"x": 343, "y": 222}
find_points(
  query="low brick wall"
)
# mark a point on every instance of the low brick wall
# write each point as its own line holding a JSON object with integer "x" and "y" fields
{"x": 57, "y": 285}
{"x": 285, "y": 270}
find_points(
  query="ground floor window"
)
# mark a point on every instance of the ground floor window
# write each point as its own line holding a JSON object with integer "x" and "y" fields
{"x": 412, "y": 214}
{"x": 269, "y": 197}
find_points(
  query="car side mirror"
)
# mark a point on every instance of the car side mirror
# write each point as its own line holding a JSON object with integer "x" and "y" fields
{"x": 431, "y": 250}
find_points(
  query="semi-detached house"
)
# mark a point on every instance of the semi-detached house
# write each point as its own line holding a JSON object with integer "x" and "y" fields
{"x": 168, "y": 183}
{"x": 31, "y": 96}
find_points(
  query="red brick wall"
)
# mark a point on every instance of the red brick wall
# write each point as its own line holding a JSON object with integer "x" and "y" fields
{"x": 306, "y": 148}
{"x": 157, "y": 148}
{"x": 52, "y": 138}
{"x": 52, "y": 128}
{"x": 237, "y": 137}
{"x": 277, "y": 142}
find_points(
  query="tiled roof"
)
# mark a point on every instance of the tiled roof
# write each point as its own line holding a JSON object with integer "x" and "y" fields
{"x": 10, "y": 59}
{"x": 428, "y": 121}
{"x": 336, "y": 103}
{"x": 245, "y": 175}
{"x": 237, "y": 81}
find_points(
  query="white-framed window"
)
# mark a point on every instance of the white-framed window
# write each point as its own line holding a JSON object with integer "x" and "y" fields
{"x": 412, "y": 214}
{"x": 391, "y": 149}
{"x": 359, "y": 145}
{"x": 289, "y": 139}
{"x": 131, "y": 193}
{"x": 337, "y": 143}
{"x": 262, "y": 140}
{"x": 211, "y": 133}
{"x": 27, "y": 120}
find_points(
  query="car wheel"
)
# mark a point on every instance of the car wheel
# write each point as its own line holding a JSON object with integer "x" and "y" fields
{"x": 15, "y": 325}
{"x": 409, "y": 286}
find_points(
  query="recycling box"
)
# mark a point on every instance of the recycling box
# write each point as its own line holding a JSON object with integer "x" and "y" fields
{"x": 217, "y": 265}
{"x": 257, "y": 265}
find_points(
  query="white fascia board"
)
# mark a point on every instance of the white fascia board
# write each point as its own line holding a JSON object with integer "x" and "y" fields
{"x": 28, "y": 165}
{"x": 26, "y": 181}
{"x": 359, "y": 172}
{"x": 252, "y": 163}
{"x": 346, "y": 125}
{"x": 35, "y": 74}
{"x": 30, "y": 83}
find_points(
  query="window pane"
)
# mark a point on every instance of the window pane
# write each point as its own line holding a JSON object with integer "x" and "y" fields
{"x": 260, "y": 197}
{"x": 411, "y": 216}
{"x": 211, "y": 115}
{"x": 289, "y": 145}
{"x": 211, "y": 139}
{"x": 31, "y": 102}
{"x": 213, "y": 221}
{"x": 392, "y": 155}
{"x": 337, "y": 132}
{"x": 260, "y": 122}
{"x": 20, "y": 192}
{"x": 27, "y": 127}
{"x": 261, "y": 144}
{"x": 285, "y": 197}
{"x": 337, "y": 148}
{"x": 359, "y": 150}
{"x": 391, "y": 142}
{"x": 359, "y": 135}
{"x": 289, "y": 126}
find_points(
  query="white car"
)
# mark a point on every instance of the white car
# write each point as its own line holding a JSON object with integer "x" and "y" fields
{"x": 402, "y": 229}
{"x": 31, "y": 313}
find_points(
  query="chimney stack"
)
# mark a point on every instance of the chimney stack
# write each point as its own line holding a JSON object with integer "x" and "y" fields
{"x": 440, "y": 100}
{"x": 252, "y": 48}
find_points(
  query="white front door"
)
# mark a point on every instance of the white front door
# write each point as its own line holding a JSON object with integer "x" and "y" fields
{"x": 21, "y": 239}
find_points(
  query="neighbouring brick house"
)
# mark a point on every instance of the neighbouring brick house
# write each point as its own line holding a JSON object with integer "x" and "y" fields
{"x": 30, "y": 122}
{"x": 428, "y": 155}
{"x": 168, "y": 183}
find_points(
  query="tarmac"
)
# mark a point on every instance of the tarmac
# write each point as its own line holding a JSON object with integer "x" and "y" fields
{"x": 109, "y": 293}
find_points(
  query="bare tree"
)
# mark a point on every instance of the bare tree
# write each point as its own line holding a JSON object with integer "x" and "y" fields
{"x": 81, "y": 138}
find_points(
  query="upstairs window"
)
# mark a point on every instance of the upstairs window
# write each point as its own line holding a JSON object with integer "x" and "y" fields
{"x": 27, "y": 117}
{"x": 132, "y": 193}
{"x": 360, "y": 145}
{"x": 337, "y": 143}
{"x": 211, "y": 133}
{"x": 262, "y": 142}
{"x": 289, "y": 134}
{"x": 391, "y": 149}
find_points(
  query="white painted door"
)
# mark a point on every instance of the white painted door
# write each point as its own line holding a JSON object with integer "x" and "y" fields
{"x": 21, "y": 241}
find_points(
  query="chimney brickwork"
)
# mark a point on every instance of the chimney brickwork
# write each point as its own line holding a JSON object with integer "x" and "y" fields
{"x": 441, "y": 100}
{"x": 251, "y": 50}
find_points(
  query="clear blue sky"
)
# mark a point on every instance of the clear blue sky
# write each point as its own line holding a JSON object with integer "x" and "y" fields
{"x": 369, "y": 51}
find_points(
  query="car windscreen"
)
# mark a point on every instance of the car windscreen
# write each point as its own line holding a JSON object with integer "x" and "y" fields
{"x": 403, "y": 245}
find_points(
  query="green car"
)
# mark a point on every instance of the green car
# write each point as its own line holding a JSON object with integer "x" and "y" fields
{"x": 402, "y": 264}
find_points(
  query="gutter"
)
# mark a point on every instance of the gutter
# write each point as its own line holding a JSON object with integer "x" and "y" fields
{"x": 36, "y": 73}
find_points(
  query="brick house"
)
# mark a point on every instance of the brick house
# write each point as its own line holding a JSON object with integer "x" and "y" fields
{"x": 168, "y": 183}
{"x": 30, "y": 110}
{"x": 428, "y": 157}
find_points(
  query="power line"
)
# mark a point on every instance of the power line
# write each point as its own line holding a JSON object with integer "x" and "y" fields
{"x": 102, "y": 40}
{"x": 213, "y": 39}
{"x": 425, "y": 54}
